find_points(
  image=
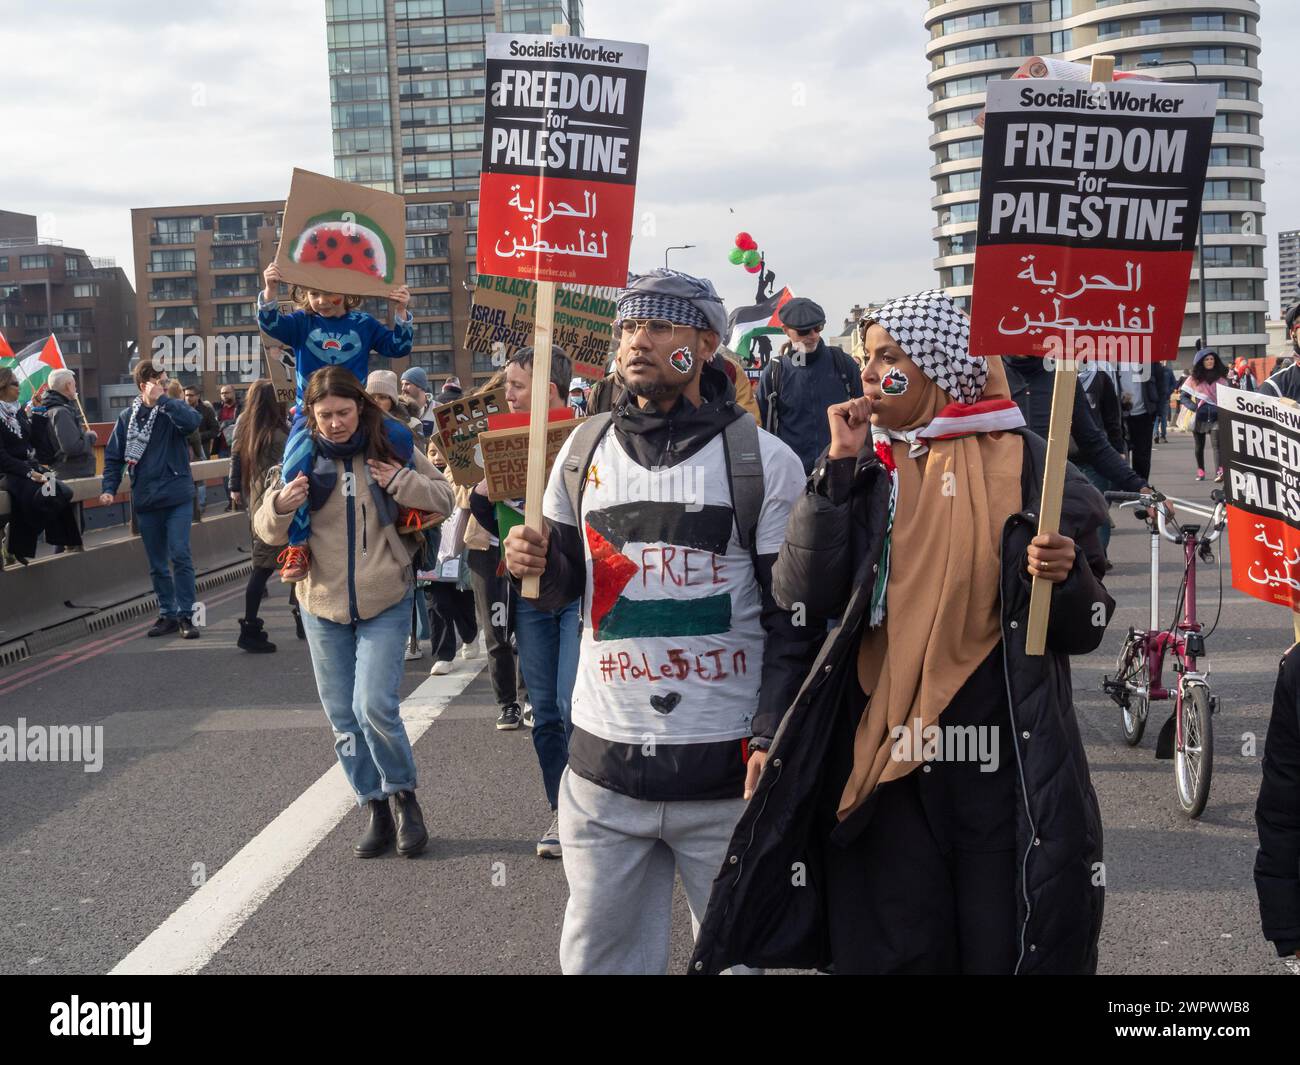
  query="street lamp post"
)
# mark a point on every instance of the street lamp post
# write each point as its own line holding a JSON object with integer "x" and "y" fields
{"x": 1200, "y": 218}
{"x": 674, "y": 247}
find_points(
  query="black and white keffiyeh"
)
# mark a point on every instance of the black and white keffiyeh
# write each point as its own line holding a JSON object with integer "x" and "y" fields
{"x": 936, "y": 336}
{"x": 137, "y": 435}
{"x": 9, "y": 417}
{"x": 675, "y": 297}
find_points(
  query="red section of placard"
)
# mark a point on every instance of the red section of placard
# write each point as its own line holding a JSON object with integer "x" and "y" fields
{"x": 1265, "y": 555}
{"x": 1115, "y": 305}
{"x": 576, "y": 232}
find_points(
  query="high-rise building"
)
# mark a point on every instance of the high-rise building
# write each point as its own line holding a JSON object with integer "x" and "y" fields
{"x": 1288, "y": 267}
{"x": 199, "y": 269}
{"x": 407, "y": 82}
{"x": 86, "y": 302}
{"x": 1175, "y": 40}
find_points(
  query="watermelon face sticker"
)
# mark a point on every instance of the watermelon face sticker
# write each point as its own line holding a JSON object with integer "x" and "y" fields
{"x": 682, "y": 360}
{"x": 894, "y": 383}
{"x": 345, "y": 240}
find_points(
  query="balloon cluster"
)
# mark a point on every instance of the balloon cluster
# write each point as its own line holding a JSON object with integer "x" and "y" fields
{"x": 746, "y": 253}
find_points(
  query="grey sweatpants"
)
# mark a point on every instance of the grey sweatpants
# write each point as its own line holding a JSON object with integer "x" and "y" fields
{"x": 620, "y": 857}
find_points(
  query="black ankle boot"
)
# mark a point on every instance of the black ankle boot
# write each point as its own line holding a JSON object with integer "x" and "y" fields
{"x": 379, "y": 833}
{"x": 411, "y": 833}
{"x": 297, "y": 623}
{"x": 252, "y": 637}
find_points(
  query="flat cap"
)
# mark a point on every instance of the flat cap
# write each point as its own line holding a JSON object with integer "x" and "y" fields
{"x": 801, "y": 313}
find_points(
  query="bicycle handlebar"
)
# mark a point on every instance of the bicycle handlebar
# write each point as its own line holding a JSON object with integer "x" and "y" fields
{"x": 1217, "y": 519}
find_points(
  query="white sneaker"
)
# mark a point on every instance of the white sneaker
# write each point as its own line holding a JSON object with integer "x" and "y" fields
{"x": 549, "y": 845}
{"x": 414, "y": 651}
{"x": 440, "y": 669}
{"x": 470, "y": 650}
{"x": 528, "y": 715}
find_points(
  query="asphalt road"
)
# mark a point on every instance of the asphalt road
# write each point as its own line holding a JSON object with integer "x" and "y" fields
{"x": 205, "y": 746}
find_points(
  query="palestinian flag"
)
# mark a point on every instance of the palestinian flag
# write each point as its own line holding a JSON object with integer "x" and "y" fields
{"x": 672, "y": 548}
{"x": 6, "y": 352}
{"x": 747, "y": 324}
{"x": 33, "y": 365}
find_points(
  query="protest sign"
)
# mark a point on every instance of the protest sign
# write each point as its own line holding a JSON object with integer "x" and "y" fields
{"x": 341, "y": 237}
{"x": 1259, "y": 440}
{"x": 456, "y": 428}
{"x": 1090, "y": 197}
{"x": 561, "y": 133}
{"x": 504, "y": 313}
{"x": 505, "y": 456}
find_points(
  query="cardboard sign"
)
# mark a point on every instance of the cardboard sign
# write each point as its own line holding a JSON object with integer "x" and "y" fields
{"x": 505, "y": 457}
{"x": 1259, "y": 439}
{"x": 1090, "y": 196}
{"x": 456, "y": 428}
{"x": 561, "y": 134}
{"x": 504, "y": 312}
{"x": 341, "y": 237}
{"x": 280, "y": 371}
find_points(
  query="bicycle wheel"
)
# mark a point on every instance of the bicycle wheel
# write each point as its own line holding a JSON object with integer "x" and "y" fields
{"x": 1131, "y": 672}
{"x": 1194, "y": 756}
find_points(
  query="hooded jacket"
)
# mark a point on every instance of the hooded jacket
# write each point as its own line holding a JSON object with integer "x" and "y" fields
{"x": 162, "y": 477}
{"x": 692, "y": 770}
{"x": 76, "y": 442}
{"x": 359, "y": 567}
{"x": 758, "y": 915}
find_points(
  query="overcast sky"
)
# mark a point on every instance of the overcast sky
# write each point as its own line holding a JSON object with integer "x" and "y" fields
{"x": 801, "y": 124}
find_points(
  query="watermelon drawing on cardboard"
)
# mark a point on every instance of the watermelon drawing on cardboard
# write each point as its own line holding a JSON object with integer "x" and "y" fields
{"x": 345, "y": 240}
{"x": 341, "y": 237}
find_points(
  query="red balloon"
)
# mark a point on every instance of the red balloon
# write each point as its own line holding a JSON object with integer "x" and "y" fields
{"x": 754, "y": 269}
{"x": 745, "y": 242}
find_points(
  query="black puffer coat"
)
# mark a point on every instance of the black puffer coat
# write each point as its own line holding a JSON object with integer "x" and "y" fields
{"x": 767, "y": 907}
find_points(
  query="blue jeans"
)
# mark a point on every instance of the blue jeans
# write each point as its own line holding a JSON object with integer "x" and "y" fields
{"x": 422, "y": 631}
{"x": 1162, "y": 421}
{"x": 359, "y": 677}
{"x": 1102, "y": 485}
{"x": 166, "y": 536}
{"x": 548, "y": 658}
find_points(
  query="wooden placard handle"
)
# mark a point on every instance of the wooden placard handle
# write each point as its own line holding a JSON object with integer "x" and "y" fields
{"x": 531, "y": 587}
{"x": 1065, "y": 377}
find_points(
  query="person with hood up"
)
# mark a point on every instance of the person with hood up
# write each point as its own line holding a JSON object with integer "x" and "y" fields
{"x": 1200, "y": 395}
{"x": 928, "y": 785}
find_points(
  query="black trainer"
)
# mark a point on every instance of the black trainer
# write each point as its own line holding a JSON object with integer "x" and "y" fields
{"x": 411, "y": 833}
{"x": 189, "y": 631}
{"x": 163, "y": 626}
{"x": 509, "y": 719}
{"x": 379, "y": 832}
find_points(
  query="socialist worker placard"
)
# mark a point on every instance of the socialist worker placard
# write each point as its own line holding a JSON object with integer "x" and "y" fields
{"x": 1090, "y": 197}
{"x": 561, "y": 135}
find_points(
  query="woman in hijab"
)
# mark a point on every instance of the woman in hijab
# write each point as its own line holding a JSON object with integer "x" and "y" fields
{"x": 928, "y": 786}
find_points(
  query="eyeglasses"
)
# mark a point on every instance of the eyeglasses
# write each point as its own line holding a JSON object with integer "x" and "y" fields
{"x": 656, "y": 328}
{"x": 808, "y": 332}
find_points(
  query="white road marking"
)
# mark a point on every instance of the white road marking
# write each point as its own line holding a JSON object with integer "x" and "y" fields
{"x": 201, "y": 926}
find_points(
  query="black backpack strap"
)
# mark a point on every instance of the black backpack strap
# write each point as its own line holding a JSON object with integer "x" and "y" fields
{"x": 847, "y": 369}
{"x": 773, "y": 391}
{"x": 584, "y": 441}
{"x": 745, "y": 477}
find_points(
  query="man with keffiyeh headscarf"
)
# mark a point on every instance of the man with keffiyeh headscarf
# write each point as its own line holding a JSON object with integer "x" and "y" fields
{"x": 930, "y": 775}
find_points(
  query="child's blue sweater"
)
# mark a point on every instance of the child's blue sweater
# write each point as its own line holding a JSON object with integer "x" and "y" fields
{"x": 344, "y": 341}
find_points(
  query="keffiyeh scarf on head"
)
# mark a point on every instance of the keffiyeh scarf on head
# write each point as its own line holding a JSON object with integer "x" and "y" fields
{"x": 953, "y": 486}
{"x": 137, "y": 435}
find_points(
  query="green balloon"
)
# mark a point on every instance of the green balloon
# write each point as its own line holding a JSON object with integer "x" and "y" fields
{"x": 751, "y": 258}
{"x": 737, "y": 256}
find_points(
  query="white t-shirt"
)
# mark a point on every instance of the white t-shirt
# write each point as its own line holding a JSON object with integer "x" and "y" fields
{"x": 672, "y": 644}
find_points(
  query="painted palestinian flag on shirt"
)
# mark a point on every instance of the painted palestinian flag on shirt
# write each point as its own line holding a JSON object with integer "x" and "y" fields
{"x": 747, "y": 325}
{"x": 33, "y": 365}
{"x": 652, "y": 567}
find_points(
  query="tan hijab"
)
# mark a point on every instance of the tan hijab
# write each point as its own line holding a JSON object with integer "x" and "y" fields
{"x": 942, "y": 597}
